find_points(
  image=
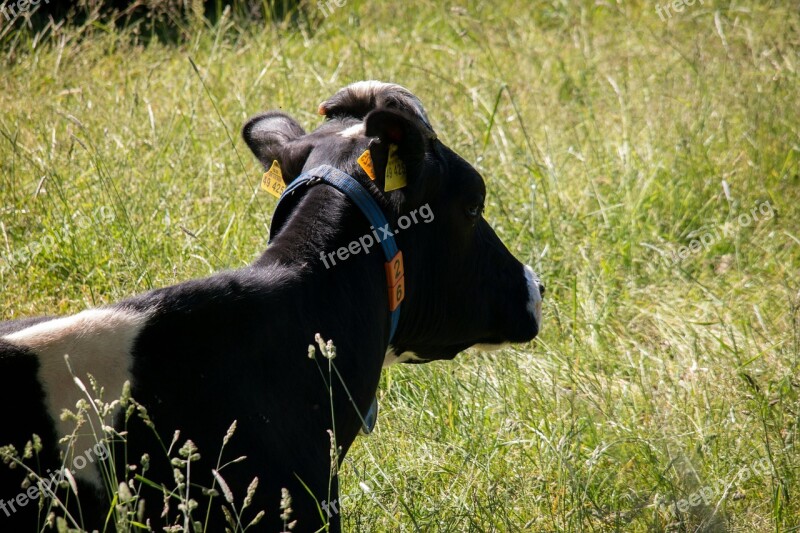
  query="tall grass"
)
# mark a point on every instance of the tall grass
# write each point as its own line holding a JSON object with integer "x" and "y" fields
{"x": 608, "y": 139}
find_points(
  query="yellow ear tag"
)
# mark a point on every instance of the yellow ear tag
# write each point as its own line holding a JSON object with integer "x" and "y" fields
{"x": 395, "y": 171}
{"x": 365, "y": 161}
{"x": 272, "y": 180}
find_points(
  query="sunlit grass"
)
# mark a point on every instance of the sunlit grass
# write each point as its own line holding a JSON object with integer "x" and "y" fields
{"x": 607, "y": 138}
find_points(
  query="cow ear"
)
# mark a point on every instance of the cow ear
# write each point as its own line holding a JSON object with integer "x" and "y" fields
{"x": 397, "y": 134}
{"x": 274, "y": 136}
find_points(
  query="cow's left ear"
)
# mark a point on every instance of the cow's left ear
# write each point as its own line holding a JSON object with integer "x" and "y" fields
{"x": 397, "y": 135}
{"x": 274, "y": 136}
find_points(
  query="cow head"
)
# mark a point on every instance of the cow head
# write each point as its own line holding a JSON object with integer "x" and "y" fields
{"x": 463, "y": 287}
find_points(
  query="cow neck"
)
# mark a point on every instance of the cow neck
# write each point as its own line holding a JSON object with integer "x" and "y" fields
{"x": 360, "y": 196}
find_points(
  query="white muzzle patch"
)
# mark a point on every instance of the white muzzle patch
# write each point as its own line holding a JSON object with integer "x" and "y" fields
{"x": 534, "y": 296}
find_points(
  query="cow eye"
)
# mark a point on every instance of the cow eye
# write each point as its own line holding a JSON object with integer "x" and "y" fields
{"x": 475, "y": 211}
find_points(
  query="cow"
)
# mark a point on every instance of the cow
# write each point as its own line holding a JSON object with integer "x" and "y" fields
{"x": 378, "y": 243}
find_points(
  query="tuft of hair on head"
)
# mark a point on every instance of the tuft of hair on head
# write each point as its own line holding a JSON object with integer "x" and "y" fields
{"x": 359, "y": 98}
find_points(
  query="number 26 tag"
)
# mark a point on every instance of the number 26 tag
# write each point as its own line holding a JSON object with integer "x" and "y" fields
{"x": 395, "y": 280}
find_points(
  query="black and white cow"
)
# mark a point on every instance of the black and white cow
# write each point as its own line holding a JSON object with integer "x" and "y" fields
{"x": 235, "y": 346}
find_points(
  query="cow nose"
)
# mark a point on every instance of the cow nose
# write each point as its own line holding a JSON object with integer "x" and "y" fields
{"x": 535, "y": 293}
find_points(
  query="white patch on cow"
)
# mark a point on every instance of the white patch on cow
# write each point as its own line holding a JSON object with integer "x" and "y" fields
{"x": 491, "y": 347}
{"x": 534, "y": 296}
{"x": 392, "y": 358}
{"x": 354, "y": 131}
{"x": 364, "y": 90}
{"x": 98, "y": 342}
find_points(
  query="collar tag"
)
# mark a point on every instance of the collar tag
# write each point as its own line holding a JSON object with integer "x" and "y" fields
{"x": 395, "y": 171}
{"x": 365, "y": 162}
{"x": 395, "y": 280}
{"x": 272, "y": 180}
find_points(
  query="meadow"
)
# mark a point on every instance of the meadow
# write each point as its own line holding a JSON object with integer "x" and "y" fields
{"x": 645, "y": 162}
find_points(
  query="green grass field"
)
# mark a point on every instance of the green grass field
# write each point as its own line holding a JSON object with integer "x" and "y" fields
{"x": 662, "y": 393}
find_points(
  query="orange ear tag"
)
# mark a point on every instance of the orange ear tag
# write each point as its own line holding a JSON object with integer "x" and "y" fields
{"x": 395, "y": 280}
{"x": 272, "y": 180}
{"x": 365, "y": 162}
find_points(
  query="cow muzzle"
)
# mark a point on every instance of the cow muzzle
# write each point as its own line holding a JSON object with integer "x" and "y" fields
{"x": 535, "y": 294}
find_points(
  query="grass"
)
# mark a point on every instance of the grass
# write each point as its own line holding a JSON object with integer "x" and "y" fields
{"x": 608, "y": 139}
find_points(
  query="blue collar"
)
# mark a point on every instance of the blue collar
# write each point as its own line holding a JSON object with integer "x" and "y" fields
{"x": 350, "y": 187}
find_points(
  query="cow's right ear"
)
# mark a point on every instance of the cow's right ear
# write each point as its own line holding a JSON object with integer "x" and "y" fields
{"x": 272, "y": 137}
{"x": 397, "y": 134}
